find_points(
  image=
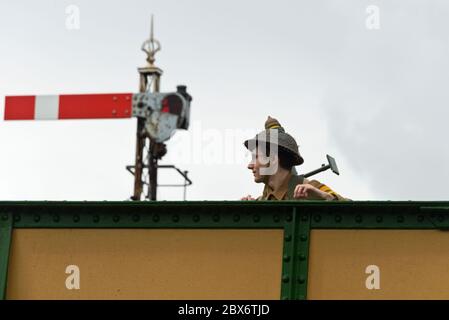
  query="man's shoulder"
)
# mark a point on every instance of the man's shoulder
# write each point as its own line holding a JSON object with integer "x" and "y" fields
{"x": 314, "y": 183}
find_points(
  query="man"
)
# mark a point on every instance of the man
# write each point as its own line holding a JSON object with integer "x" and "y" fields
{"x": 274, "y": 155}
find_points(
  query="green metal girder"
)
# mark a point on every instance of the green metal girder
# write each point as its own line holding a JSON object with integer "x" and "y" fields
{"x": 5, "y": 244}
{"x": 142, "y": 217}
{"x": 405, "y": 216}
{"x": 227, "y": 214}
{"x": 296, "y": 218}
{"x": 288, "y": 258}
{"x": 302, "y": 254}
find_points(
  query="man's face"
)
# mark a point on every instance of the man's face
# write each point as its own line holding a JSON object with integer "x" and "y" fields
{"x": 258, "y": 161}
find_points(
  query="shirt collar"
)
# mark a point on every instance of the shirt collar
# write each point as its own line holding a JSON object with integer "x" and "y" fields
{"x": 279, "y": 193}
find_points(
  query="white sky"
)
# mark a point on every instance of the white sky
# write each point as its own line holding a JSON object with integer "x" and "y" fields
{"x": 376, "y": 100}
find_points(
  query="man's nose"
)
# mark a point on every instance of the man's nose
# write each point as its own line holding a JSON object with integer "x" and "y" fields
{"x": 251, "y": 165}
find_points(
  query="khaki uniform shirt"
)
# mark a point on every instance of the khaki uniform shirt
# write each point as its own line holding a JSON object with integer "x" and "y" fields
{"x": 285, "y": 192}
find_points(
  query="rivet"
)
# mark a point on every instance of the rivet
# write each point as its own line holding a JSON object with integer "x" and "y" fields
{"x": 136, "y": 217}
{"x": 126, "y": 111}
{"x": 379, "y": 219}
{"x": 302, "y": 297}
{"x": 302, "y": 257}
{"x": 288, "y": 238}
{"x": 37, "y": 218}
{"x": 288, "y": 218}
{"x": 216, "y": 218}
{"x": 358, "y": 218}
{"x": 17, "y": 217}
{"x": 56, "y": 218}
{"x": 236, "y": 218}
{"x": 127, "y": 98}
{"x": 76, "y": 218}
{"x": 317, "y": 218}
{"x": 420, "y": 218}
{"x": 286, "y": 258}
{"x": 5, "y": 217}
{"x": 337, "y": 218}
{"x": 303, "y": 237}
{"x": 196, "y": 218}
{"x": 285, "y": 279}
{"x": 441, "y": 218}
{"x": 304, "y": 217}
{"x": 175, "y": 218}
{"x": 276, "y": 218}
{"x": 301, "y": 280}
{"x": 116, "y": 218}
{"x": 400, "y": 218}
{"x": 256, "y": 218}
{"x": 96, "y": 218}
{"x": 114, "y": 112}
{"x": 155, "y": 218}
{"x": 114, "y": 98}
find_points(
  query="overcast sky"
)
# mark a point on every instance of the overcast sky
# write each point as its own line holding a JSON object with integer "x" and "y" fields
{"x": 370, "y": 92}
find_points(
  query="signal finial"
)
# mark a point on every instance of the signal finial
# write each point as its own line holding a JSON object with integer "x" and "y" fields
{"x": 151, "y": 46}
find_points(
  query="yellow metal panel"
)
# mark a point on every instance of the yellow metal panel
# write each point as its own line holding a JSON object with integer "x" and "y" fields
{"x": 413, "y": 264}
{"x": 146, "y": 263}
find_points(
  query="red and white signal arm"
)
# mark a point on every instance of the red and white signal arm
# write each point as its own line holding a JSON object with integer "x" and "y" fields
{"x": 164, "y": 112}
{"x": 66, "y": 106}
